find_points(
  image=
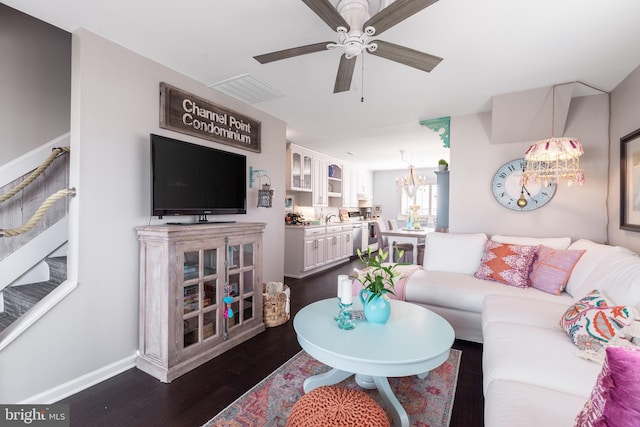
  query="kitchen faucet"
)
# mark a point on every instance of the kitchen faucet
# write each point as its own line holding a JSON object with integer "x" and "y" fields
{"x": 328, "y": 218}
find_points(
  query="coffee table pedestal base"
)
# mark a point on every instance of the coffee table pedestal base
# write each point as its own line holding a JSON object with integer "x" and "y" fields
{"x": 334, "y": 376}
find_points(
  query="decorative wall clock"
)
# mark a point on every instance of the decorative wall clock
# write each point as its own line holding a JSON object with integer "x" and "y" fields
{"x": 510, "y": 193}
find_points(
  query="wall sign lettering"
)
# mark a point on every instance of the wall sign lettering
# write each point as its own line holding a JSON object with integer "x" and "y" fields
{"x": 186, "y": 113}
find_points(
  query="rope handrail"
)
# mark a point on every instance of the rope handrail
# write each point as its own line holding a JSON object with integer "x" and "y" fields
{"x": 44, "y": 207}
{"x": 55, "y": 152}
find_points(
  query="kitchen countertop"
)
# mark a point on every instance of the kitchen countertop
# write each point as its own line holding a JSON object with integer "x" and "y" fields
{"x": 325, "y": 225}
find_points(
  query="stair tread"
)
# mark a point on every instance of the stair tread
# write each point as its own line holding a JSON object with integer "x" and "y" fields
{"x": 19, "y": 299}
{"x": 5, "y": 320}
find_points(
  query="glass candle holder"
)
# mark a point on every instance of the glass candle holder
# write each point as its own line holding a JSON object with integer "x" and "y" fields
{"x": 344, "y": 317}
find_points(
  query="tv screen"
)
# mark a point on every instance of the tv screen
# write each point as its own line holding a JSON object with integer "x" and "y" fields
{"x": 190, "y": 179}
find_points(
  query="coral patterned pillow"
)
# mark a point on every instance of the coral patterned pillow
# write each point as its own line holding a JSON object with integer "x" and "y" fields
{"x": 593, "y": 321}
{"x": 507, "y": 263}
{"x": 615, "y": 399}
{"x": 552, "y": 268}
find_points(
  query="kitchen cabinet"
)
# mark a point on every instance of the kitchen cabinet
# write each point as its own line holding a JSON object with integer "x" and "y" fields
{"x": 335, "y": 243}
{"x": 185, "y": 271}
{"x": 299, "y": 166}
{"x": 349, "y": 186}
{"x": 309, "y": 249}
{"x": 319, "y": 183}
{"x": 334, "y": 179}
{"x": 314, "y": 248}
{"x": 322, "y": 181}
{"x": 347, "y": 241}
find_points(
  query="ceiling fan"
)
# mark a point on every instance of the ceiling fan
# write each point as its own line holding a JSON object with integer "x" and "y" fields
{"x": 355, "y": 28}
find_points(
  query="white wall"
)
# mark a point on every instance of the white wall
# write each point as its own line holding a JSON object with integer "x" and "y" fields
{"x": 114, "y": 108}
{"x": 625, "y": 107}
{"x": 36, "y": 65}
{"x": 577, "y": 212}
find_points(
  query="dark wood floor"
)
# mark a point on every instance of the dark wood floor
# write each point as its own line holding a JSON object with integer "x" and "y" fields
{"x": 134, "y": 398}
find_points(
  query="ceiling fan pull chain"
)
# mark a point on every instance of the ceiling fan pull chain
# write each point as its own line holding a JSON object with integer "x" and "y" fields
{"x": 362, "y": 77}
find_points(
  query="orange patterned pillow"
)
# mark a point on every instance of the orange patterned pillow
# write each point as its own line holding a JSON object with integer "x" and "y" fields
{"x": 507, "y": 263}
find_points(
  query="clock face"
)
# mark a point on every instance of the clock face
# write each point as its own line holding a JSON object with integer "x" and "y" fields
{"x": 507, "y": 188}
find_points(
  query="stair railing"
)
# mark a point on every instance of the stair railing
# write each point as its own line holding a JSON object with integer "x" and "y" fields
{"x": 46, "y": 205}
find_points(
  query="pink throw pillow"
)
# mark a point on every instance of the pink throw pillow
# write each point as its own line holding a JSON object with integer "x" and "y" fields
{"x": 615, "y": 399}
{"x": 552, "y": 268}
{"x": 507, "y": 263}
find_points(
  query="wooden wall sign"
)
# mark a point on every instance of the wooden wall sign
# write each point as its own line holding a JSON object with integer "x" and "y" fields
{"x": 186, "y": 113}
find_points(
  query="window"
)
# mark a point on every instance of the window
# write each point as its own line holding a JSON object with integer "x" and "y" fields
{"x": 426, "y": 197}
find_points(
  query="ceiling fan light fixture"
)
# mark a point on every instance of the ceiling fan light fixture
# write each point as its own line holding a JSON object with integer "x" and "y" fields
{"x": 353, "y": 22}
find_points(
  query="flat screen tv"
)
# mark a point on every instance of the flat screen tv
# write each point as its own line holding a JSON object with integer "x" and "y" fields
{"x": 191, "y": 179}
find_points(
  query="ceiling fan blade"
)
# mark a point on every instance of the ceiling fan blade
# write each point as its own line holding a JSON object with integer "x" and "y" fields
{"x": 290, "y": 53}
{"x": 325, "y": 10}
{"x": 396, "y": 12}
{"x": 345, "y": 74}
{"x": 404, "y": 55}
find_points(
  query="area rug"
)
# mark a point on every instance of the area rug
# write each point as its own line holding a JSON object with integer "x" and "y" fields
{"x": 428, "y": 402}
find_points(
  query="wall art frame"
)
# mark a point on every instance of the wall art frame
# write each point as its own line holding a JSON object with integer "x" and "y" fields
{"x": 630, "y": 181}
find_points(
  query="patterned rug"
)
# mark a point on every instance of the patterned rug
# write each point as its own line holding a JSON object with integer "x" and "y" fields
{"x": 428, "y": 402}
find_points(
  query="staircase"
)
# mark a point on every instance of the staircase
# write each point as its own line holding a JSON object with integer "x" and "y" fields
{"x": 19, "y": 299}
{"x": 33, "y": 262}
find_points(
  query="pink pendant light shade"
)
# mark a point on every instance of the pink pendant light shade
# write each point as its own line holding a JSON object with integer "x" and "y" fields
{"x": 553, "y": 159}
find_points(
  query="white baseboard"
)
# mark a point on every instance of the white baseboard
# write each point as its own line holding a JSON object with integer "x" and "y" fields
{"x": 74, "y": 386}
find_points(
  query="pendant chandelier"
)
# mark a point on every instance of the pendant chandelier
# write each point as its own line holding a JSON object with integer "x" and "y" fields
{"x": 411, "y": 181}
{"x": 553, "y": 159}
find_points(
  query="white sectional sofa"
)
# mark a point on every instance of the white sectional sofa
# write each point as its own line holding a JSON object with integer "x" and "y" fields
{"x": 533, "y": 374}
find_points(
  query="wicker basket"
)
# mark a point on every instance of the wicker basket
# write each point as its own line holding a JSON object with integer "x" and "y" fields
{"x": 275, "y": 300}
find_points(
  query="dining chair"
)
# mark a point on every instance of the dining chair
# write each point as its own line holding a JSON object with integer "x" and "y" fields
{"x": 383, "y": 242}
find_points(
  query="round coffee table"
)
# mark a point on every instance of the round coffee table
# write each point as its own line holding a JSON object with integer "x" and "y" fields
{"x": 413, "y": 342}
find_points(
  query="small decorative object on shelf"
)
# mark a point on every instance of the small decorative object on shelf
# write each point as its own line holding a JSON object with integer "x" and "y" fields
{"x": 377, "y": 279}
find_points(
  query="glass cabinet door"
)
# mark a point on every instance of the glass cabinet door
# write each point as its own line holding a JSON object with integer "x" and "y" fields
{"x": 296, "y": 170}
{"x": 242, "y": 282}
{"x": 306, "y": 172}
{"x": 200, "y": 306}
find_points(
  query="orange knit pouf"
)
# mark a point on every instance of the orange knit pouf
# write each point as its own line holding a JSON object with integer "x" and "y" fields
{"x": 330, "y": 406}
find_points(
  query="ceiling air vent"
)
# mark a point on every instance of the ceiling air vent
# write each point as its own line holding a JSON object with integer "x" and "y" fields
{"x": 247, "y": 88}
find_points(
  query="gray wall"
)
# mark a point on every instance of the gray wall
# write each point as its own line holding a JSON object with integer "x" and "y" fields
{"x": 576, "y": 212}
{"x": 93, "y": 333}
{"x": 625, "y": 118}
{"x": 35, "y": 83}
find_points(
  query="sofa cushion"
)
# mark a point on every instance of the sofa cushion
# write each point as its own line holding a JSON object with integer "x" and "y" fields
{"x": 542, "y": 313}
{"x": 552, "y": 242}
{"x": 595, "y": 252}
{"x": 617, "y": 276}
{"x": 594, "y": 321}
{"x": 538, "y": 356}
{"x": 507, "y": 263}
{"x": 456, "y": 253}
{"x": 552, "y": 267}
{"x": 509, "y": 403}
{"x": 615, "y": 399}
{"x": 465, "y": 292}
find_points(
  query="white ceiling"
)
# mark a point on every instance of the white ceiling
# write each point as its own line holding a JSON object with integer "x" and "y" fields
{"x": 490, "y": 47}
